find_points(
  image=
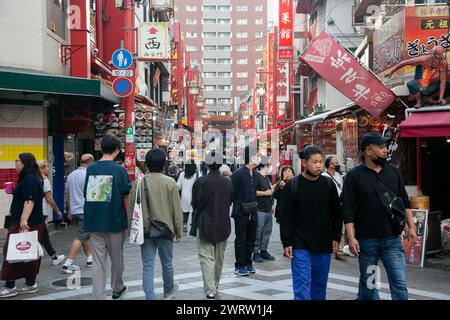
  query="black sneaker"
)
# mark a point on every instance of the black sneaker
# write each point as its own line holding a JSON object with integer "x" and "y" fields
{"x": 120, "y": 294}
{"x": 267, "y": 256}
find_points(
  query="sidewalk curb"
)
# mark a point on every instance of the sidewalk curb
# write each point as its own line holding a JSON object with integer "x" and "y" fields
{"x": 437, "y": 265}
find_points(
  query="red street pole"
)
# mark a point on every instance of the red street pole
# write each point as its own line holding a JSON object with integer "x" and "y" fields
{"x": 128, "y": 102}
{"x": 275, "y": 78}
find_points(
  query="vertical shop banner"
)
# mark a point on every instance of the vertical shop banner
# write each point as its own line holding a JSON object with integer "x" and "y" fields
{"x": 286, "y": 35}
{"x": 415, "y": 252}
{"x": 391, "y": 136}
{"x": 270, "y": 78}
{"x": 283, "y": 76}
{"x": 154, "y": 41}
{"x": 337, "y": 66}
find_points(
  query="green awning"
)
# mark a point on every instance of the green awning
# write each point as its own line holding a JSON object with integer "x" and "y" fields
{"x": 57, "y": 85}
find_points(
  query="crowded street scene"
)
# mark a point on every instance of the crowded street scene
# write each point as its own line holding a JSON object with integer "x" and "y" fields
{"x": 232, "y": 150}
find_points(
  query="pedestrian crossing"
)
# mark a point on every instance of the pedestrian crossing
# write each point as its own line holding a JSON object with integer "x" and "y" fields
{"x": 265, "y": 285}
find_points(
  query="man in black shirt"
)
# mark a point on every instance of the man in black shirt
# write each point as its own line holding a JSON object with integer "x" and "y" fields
{"x": 370, "y": 234}
{"x": 311, "y": 225}
{"x": 265, "y": 202}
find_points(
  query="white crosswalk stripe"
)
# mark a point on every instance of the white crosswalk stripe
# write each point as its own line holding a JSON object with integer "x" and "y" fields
{"x": 246, "y": 287}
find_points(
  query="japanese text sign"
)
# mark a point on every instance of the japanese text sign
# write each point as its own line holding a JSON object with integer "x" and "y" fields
{"x": 331, "y": 61}
{"x": 282, "y": 88}
{"x": 154, "y": 42}
{"x": 286, "y": 34}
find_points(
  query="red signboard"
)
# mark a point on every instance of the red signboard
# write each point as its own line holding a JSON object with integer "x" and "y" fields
{"x": 333, "y": 63}
{"x": 285, "y": 54}
{"x": 286, "y": 33}
{"x": 270, "y": 78}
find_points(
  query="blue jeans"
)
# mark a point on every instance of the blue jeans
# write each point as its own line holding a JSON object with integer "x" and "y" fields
{"x": 391, "y": 253}
{"x": 148, "y": 253}
{"x": 310, "y": 274}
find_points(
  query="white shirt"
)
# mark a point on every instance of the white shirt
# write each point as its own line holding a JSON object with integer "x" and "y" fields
{"x": 46, "y": 209}
{"x": 185, "y": 185}
{"x": 337, "y": 178}
{"x": 75, "y": 185}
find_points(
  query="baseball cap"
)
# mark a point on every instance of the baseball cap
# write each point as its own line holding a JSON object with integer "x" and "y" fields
{"x": 371, "y": 138}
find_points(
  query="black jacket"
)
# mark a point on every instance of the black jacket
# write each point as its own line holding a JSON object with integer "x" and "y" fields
{"x": 244, "y": 188}
{"x": 211, "y": 200}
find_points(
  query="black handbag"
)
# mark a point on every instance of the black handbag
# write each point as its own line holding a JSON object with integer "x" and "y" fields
{"x": 393, "y": 205}
{"x": 7, "y": 223}
{"x": 249, "y": 207}
{"x": 159, "y": 230}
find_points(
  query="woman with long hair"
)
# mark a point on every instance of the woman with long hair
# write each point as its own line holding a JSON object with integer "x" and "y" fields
{"x": 185, "y": 183}
{"x": 26, "y": 215}
{"x": 48, "y": 203}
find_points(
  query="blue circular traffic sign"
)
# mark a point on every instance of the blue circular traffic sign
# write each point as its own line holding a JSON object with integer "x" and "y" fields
{"x": 122, "y": 87}
{"x": 122, "y": 59}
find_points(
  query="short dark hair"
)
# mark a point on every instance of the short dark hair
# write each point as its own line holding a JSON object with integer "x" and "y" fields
{"x": 109, "y": 144}
{"x": 328, "y": 161}
{"x": 214, "y": 161}
{"x": 155, "y": 160}
{"x": 311, "y": 150}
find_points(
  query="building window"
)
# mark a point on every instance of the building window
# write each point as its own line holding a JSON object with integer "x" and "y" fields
{"x": 242, "y": 47}
{"x": 191, "y": 8}
{"x": 224, "y": 48}
{"x": 194, "y": 62}
{"x": 209, "y": 35}
{"x": 241, "y": 21}
{"x": 224, "y": 34}
{"x": 224, "y": 101}
{"x": 224, "y": 8}
{"x": 259, "y": 47}
{"x": 242, "y": 87}
{"x": 241, "y": 8}
{"x": 225, "y": 74}
{"x": 223, "y": 21}
{"x": 258, "y": 61}
{"x": 224, "y": 61}
{"x": 191, "y": 48}
{"x": 259, "y": 21}
{"x": 210, "y": 88}
{"x": 191, "y": 21}
{"x": 242, "y": 61}
{"x": 209, "y": 8}
{"x": 258, "y": 35}
{"x": 209, "y": 48}
{"x": 242, "y": 74}
{"x": 224, "y": 88}
{"x": 259, "y": 8}
{"x": 209, "y": 61}
{"x": 191, "y": 35}
{"x": 241, "y": 35}
{"x": 209, "y": 21}
{"x": 210, "y": 101}
{"x": 209, "y": 74}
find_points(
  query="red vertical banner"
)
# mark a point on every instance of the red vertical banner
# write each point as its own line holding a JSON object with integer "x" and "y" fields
{"x": 270, "y": 102}
{"x": 275, "y": 79}
{"x": 285, "y": 21}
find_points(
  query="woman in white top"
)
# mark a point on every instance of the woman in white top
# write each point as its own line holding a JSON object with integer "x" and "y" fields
{"x": 185, "y": 183}
{"x": 47, "y": 205}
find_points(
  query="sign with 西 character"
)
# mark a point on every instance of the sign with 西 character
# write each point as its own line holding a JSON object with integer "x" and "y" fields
{"x": 154, "y": 41}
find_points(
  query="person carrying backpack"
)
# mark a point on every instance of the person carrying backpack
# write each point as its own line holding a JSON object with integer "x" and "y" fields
{"x": 310, "y": 226}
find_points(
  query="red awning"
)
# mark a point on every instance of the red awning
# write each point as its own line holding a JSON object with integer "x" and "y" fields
{"x": 426, "y": 124}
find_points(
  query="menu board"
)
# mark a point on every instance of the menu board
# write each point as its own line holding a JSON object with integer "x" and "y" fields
{"x": 143, "y": 135}
{"x": 109, "y": 123}
{"x": 415, "y": 252}
{"x": 324, "y": 136}
{"x": 350, "y": 138}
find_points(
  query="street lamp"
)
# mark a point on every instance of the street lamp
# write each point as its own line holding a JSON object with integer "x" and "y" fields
{"x": 193, "y": 87}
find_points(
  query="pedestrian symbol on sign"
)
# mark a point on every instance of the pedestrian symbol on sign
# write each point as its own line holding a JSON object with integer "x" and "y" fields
{"x": 122, "y": 59}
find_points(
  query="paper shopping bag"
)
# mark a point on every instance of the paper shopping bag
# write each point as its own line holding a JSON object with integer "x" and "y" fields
{"x": 23, "y": 247}
{"x": 137, "y": 221}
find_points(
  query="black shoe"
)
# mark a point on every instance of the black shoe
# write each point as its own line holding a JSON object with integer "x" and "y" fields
{"x": 118, "y": 295}
{"x": 267, "y": 256}
{"x": 257, "y": 257}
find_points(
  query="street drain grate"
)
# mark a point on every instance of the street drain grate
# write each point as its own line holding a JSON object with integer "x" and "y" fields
{"x": 84, "y": 281}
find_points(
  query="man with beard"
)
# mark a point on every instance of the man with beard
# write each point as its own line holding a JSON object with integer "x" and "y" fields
{"x": 372, "y": 234}
{"x": 310, "y": 226}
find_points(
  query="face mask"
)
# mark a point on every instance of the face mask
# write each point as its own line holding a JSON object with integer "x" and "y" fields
{"x": 337, "y": 167}
{"x": 380, "y": 161}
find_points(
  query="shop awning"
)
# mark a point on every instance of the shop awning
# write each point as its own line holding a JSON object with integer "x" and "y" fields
{"x": 325, "y": 115}
{"x": 426, "y": 124}
{"x": 57, "y": 85}
{"x": 304, "y": 6}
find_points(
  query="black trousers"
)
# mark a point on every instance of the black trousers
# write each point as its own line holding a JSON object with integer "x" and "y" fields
{"x": 244, "y": 243}
{"x": 47, "y": 243}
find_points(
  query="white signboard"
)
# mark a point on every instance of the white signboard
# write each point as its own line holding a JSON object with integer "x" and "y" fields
{"x": 282, "y": 88}
{"x": 154, "y": 41}
{"x": 161, "y": 4}
{"x": 122, "y": 73}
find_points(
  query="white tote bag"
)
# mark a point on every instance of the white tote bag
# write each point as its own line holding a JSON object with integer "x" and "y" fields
{"x": 137, "y": 220}
{"x": 23, "y": 247}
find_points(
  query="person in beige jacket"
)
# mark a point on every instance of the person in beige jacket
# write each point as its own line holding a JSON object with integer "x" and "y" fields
{"x": 163, "y": 222}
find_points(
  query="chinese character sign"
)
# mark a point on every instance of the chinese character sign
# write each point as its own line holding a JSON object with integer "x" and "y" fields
{"x": 331, "y": 61}
{"x": 154, "y": 41}
{"x": 286, "y": 34}
{"x": 282, "y": 88}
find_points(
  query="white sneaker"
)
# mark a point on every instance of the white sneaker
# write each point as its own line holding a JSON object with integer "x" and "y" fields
{"x": 70, "y": 269}
{"x": 58, "y": 259}
{"x": 168, "y": 296}
{"x": 8, "y": 293}
{"x": 29, "y": 289}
